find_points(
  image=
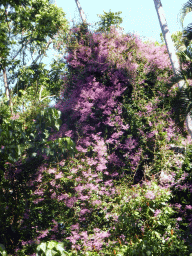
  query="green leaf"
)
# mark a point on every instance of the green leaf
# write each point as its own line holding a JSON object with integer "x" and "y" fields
{"x": 50, "y": 252}
{"x": 42, "y": 247}
{"x": 51, "y": 244}
{"x": 185, "y": 10}
{"x": 2, "y": 248}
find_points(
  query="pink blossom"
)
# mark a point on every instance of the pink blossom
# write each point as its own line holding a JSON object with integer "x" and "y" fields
{"x": 86, "y": 174}
{"x": 51, "y": 170}
{"x": 43, "y": 234}
{"x": 36, "y": 201}
{"x": 91, "y": 186}
{"x": 39, "y": 178}
{"x": 14, "y": 117}
{"x": 157, "y": 212}
{"x": 70, "y": 202}
{"x": 74, "y": 237}
{"x": 114, "y": 174}
{"x": 53, "y": 182}
{"x": 149, "y": 108}
{"x": 83, "y": 198}
{"x": 130, "y": 144}
{"x": 116, "y": 135}
{"x": 178, "y": 206}
{"x": 73, "y": 170}
{"x": 166, "y": 178}
{"x": 84, "y": 211}
{"x": 69, "y": 133}
{"x": 79, "y": 188}
{"x": 109, "y": 183}
{"x": 96, "y": 202}
{"x": 38, "y": 192}
{"x": 59, "y": 175}
{"x": 63, "y": 196}
{"x": 84, "y": 235}
{"x": 151, "y": 134}
{"x": 150, "y": 195}
{"x": 78, "y": 179}
{"x": 75, "y": 226}
{"x": 101, "y": 167}
{"x": 53, "y": 196}
{"x": 62, "y": 163}
{"x": 189, "y": 207}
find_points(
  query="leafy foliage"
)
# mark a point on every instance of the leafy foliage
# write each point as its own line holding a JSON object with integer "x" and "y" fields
{"x": 112, "y": 196}
{"x": 147, "y": 222}
{"x": 51, "y": 248}
{"x": 24, "y": 146}
{"x": 108, "y": 19}
{"x": 187, "y": 32}
{"x": 27, "y": 31}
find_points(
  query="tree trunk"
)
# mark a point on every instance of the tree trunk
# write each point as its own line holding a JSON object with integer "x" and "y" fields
{"x": 167, "y": 36}
{"x": 80, "y": 11}
{"x": 7, "y": 90}
{"x": 172, "y": 53}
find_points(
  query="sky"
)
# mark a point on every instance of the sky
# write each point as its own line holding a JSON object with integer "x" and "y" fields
{"x": 138, "y": 16}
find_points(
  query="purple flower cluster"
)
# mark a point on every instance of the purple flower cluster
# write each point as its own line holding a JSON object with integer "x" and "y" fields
{"x": 115, "y": 128}
{"x": 103, "y": 72}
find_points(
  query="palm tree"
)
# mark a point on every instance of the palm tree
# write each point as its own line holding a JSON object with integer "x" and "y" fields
{"x": 167, "y": 37}
{"x": 187, "y": 56}
{"x": 187, "y": 32}
{"x": 175, "y": 61}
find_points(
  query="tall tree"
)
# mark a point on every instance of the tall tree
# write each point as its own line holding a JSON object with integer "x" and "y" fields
{"x": 186, "y": 56}
{"x": 108, "y": 19}
{"x": 28, "y": 29}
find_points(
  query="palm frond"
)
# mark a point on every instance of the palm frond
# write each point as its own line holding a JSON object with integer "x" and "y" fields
{"x": 179, "y": 76}
{"x": 187, "y": 34}
{"x": 182, "y": 106}
{"x": 185, "y": 56}
{"x": 185, "y": 10}
{"x": 181, "y": 103}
